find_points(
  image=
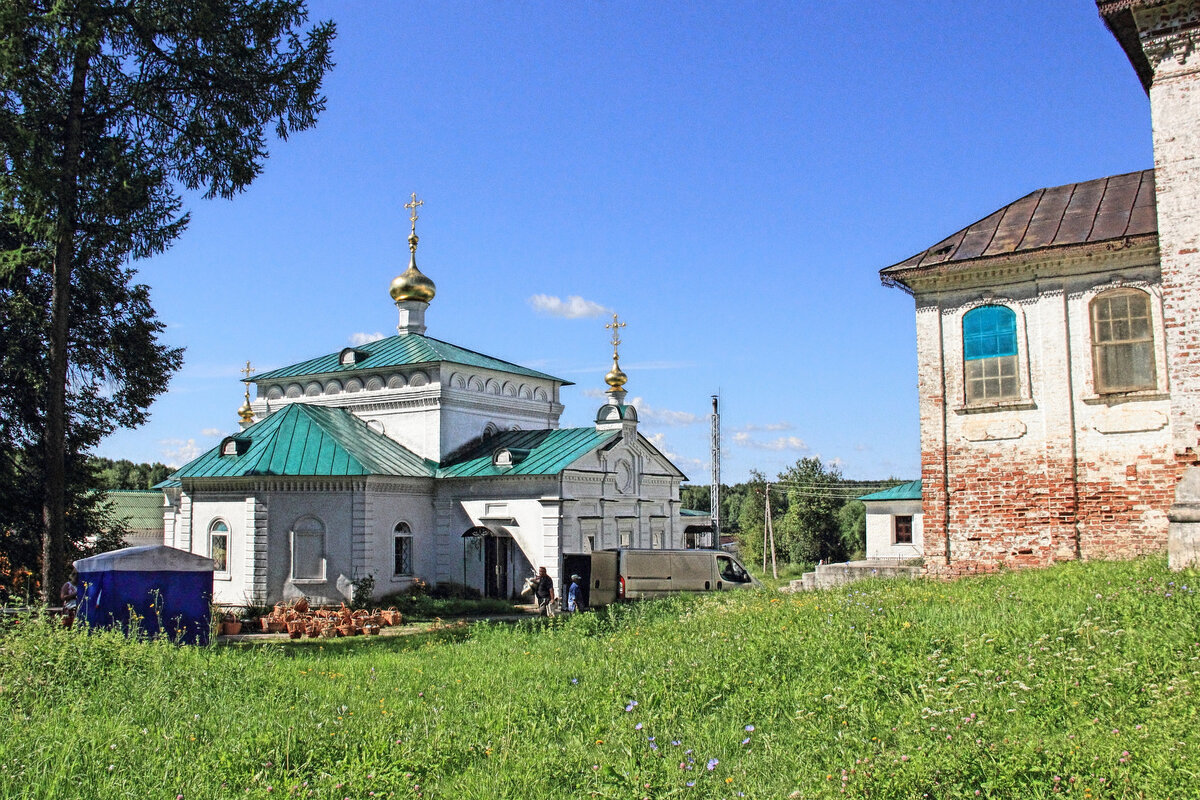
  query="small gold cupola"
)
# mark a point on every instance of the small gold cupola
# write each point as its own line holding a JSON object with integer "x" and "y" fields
{"x": 413, "y": 284}
{"x": 616, "y": 377}
{"x": 246, "y": 413}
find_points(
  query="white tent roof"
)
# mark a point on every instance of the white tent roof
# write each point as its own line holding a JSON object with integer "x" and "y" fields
{"x": 147, "y": 558}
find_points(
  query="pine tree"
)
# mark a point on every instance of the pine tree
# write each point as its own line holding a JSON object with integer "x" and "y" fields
{"x": 108, "y": 109}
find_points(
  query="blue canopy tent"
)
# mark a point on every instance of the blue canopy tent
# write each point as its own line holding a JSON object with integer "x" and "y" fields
{"x": 166, "y": 590}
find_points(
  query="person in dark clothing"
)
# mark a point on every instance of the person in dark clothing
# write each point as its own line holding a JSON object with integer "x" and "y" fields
{"x": 543, "y": 592}
{"x": 575, "y": 595}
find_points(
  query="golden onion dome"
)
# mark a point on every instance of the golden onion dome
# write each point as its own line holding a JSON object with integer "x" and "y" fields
{"x": 615, "y": 377}
{"x": 246, "y": 413}
{"x": 413, "y": 284}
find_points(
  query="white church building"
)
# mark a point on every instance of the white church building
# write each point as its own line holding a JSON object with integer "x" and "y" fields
{"x": 411, "y": 458}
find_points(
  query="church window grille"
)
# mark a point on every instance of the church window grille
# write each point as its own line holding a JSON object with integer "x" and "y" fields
{"x": 402, "y": 546}
{"x": 308, "y": 549}
{"x": 218, "y": 545}
{"x": 1122, "y": 341}
{"x": 990, "y": 354}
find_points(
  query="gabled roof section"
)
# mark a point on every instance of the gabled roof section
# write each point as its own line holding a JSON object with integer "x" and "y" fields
{"x": 548, "y": 452}
{"x": 1077, "y": 213}
{"x": 397, "y": 351}
{"x": 905, "y": 491}
{"x": 308, "y": 440}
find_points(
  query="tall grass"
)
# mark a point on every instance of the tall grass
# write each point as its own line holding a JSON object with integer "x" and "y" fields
{"x": 1075, "y": 681}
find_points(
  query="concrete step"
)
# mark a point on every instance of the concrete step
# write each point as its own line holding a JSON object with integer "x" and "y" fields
{"x": 827, "y": 576}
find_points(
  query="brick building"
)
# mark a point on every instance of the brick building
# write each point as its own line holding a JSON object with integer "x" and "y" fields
{"x": 1058, "y": 355}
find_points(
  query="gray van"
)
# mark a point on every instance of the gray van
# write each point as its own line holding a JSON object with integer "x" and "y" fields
{"x": 630, "y": 574}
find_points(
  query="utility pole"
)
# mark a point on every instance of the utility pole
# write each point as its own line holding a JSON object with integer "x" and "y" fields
{"x": 769, "y": 535}
{"x": 714, "y": 491}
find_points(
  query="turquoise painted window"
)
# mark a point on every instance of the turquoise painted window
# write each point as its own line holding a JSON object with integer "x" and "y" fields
{"x": 990, "y": 354}
{"x": 989, "y": 332}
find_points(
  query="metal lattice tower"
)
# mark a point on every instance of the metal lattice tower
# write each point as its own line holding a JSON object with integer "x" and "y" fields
{"x": 715, "y": 488}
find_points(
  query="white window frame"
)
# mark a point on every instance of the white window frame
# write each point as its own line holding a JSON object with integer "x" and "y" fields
{"x": 402, "y": 530}
{"x": 955, "y": 346}
{"x": 227, "y": 533}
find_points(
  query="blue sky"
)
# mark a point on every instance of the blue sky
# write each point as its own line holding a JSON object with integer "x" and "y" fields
{"x": 729, "y": 177}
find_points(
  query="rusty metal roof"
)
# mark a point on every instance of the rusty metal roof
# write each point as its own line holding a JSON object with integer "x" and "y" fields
{"x": 1078, "y": 213}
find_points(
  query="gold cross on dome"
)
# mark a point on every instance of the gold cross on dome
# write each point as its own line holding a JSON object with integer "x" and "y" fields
{"x": 616, "y": 340}
{"x": 247, "y": 371}
{"x": 414, "y": 205}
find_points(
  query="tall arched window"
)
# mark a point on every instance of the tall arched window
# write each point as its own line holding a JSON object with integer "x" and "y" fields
{"x": 218, "y": 544}
{"x": 1122, "y": 341}
{"x": 308, "y": 549}
{"x": 401, "y": 550}
{"x": 990, "y": 354}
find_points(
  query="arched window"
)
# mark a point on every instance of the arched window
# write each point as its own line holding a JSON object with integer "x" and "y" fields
{"x": 218, "y": 544}
{"x": 1122, "y": 341}
{"x": 308, "y": 549}
{"x": 401, "y": 550}
{"x": 990, "y": 354}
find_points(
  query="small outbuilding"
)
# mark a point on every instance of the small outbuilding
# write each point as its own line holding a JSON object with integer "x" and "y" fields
{"x": 151, "y": 589}
{"x": 894, "y": 524}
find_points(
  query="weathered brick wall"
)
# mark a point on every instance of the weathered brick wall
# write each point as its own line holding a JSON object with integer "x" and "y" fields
{"x": 1060, "y": 473}
{"x": 1171, "y": 41}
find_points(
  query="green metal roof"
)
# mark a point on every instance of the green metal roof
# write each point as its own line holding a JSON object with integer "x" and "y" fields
{"x": 546, "y": 452}
{"x": 308, "y": 440}
{"x": 402, "y": 350}
{"x": 905, "y": 491}
{"x": 142, "y": 509}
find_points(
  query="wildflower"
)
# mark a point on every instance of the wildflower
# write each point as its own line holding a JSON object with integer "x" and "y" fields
{"x": 712, "y": 764}
{"x": 691, "y": 783}
{"x": 637, "y": 727}
{"x": 574, "y": 680}
{"x": 749, "y": 729}
{"x": 746, "y": 740}
{"x": 676, "y": 742}
{"x": 629, "y": 707}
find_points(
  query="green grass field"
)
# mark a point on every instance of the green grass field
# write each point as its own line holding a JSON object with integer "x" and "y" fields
{"x": 1076, "y": 681}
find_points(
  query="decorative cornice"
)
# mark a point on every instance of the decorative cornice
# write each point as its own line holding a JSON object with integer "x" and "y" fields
{"x": 1131, "y": 252}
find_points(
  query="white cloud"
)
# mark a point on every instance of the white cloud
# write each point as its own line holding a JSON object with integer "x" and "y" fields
{"x": 574, "y": 307}
{"x": 211, "y": 432}
{"x": 659, "y": 440}
{"x": 177, "y": 452}
{"x": 359, "y": 339}
{"x": 770, "y": 426}
{"x": 664, "y": 416}
{"x": 782, "y": 443}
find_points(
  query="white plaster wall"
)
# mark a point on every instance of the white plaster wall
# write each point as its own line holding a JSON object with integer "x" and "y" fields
{"x": 230, "y": 588}
{"x": 880, "y": 516}
{"x": 334, "y": 508}
{"x": 386, "y": 506}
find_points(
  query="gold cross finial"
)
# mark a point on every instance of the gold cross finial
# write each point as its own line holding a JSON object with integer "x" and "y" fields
{"x": 414, "y": 205}
{"x": 247, "y": 371}
{"x": 616, "y": 340}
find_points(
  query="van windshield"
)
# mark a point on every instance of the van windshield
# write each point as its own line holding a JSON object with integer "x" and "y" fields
{"x": 731, "y": 571}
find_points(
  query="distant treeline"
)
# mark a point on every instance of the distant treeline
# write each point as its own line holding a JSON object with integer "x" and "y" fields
{"x": 125, "y": 474}
{"x": 815, "y": 512}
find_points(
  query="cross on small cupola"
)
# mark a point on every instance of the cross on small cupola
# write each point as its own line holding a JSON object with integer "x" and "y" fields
{"x": 246, "y": 413}
{"x": 615, "y": 377}
{"x": 412, "y": 291}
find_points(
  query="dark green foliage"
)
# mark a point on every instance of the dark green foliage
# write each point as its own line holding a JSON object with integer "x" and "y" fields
{"x": 852, "y": 528}
{"x": 124, "y": 474}
{"x": 109, "y": 109}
